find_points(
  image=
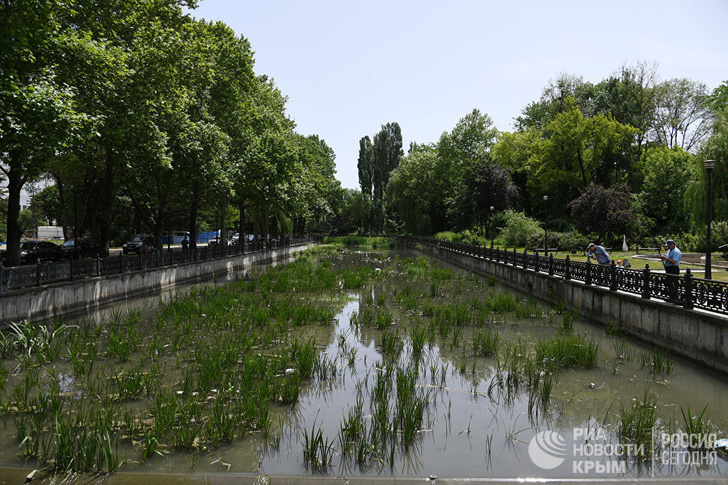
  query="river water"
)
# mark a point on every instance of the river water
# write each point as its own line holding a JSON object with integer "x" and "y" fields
{"x": 471, "y": 426}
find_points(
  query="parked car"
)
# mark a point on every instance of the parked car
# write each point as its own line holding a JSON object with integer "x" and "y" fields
{"x": 33, "y": 250}
{"x": 137, "y": 244}
{"x": 213, "y": 242}
{"x": 86, "y": 248}
{"x": 235, "y": 239}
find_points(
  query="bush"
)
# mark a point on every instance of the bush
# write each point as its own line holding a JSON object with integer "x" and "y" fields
{"x": 564, "y": 241}
{"x": 519, "y": 227}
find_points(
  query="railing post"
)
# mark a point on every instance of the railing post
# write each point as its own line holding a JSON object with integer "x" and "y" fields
{"x": 688, "y": 300}
{"x": 70, "y": 268}
{"x": 37, "y": 271}
{"x": 525, "y": 259}
{"x": 567, "y": 271}
{"x": 551, "y": 264}
{"x": 140, "y": 260}
{"x": 515, "y": 257}
{"x": 646, "y": 282}
{"x": 537, "y": 266}
{"x": 98, "y": 265}
{"x": 612, "y": 276}
{"x": 121, "y": 262}
{"x": 588, "y": 277}
{"x": 1, "y": 277}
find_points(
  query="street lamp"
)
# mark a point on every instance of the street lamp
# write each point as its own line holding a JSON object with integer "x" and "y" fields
{"x": 545, "y": 229}
{"x": 709, "y": 166}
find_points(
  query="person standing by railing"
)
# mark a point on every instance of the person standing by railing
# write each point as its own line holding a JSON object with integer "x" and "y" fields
{"x": 671, "y": 260}
{"x": 599, "y": 253}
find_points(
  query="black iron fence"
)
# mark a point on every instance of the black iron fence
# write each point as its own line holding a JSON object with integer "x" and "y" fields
{"x": 69, "y": 270}
{"x": 685, "y": 290}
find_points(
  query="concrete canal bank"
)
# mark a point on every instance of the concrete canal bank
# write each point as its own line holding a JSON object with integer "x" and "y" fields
{"x": 698, "y": 335}
{"x": 77, "y": 298}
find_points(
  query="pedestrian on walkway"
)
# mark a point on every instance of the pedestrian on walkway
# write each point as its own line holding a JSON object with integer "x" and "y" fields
{"x": 671, "y": 260}
{"x": 599, "y": 253}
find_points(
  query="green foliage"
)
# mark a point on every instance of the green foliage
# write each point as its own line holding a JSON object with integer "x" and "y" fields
{"x": 518, "y": 228}
{"x": 605, "y": 211}
{"x": 663, "y": 193}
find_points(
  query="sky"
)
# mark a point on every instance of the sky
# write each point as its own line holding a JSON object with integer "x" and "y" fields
{"x": 350, "y": 67}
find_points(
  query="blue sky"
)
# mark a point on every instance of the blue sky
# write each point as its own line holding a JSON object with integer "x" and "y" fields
{"x": 349, "y": 67}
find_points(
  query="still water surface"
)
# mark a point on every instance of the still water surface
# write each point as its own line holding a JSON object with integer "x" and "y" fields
{"x": 469, "y": 430}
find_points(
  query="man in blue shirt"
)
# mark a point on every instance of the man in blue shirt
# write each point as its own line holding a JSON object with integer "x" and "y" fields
{"x": 598, "y": 252}
{"x": 672, "y": 258}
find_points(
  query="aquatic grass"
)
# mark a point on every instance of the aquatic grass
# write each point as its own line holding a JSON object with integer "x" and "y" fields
{"x": 391, "y": 345}
{"x": 637, "y": 421}
{"x": 317, "y": 450}
{"x": 486, "y": 342}
{"x": 567, "y": 351}
{"x": 501, "y": 302}
{"x": 418, "y": 338}
{"x": 658, "y": 361}
{"x": 699, "y": 428}
{"x": 567, "y": 321}
{"x": 384, "y": 320}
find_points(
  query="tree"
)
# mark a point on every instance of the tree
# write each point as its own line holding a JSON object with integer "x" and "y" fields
{"x": 663, "y": 189}
{"x": 365, "y": 166}
{"x": 375, "y": 163}
{"x": 604, "y": 211}
{"x": 715, "y": 148}
{"x": 38, "y": 114}
{"x": 463, "y": 152}
{"x": 416, "y": 190}
{"x": 491, "y": 187}
{"x": 682, "y": 117}
{"x": 575, "y": 152}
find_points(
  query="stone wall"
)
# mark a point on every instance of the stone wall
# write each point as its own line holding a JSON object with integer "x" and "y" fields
{"x": 694, "y": 334}
{"x": 81, "y": 297}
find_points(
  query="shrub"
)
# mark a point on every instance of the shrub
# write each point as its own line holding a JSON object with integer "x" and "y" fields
{"x": 519, "y": 227}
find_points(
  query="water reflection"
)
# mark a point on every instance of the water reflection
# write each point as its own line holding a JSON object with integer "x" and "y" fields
{"x": 474, "y": 424}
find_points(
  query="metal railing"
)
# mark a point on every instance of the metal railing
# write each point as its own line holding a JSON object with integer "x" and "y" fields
{"x": 69, "y": 270}
{"x": 685, "y": 290}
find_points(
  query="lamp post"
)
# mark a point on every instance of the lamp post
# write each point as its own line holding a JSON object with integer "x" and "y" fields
{"x": 545, "y": 229}
{"x": 490, "y": 226}
{"x": 709, "y": 166}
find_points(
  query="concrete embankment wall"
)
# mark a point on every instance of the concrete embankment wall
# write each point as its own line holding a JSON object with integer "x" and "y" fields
{"x": 81, "y": 297}
{"x": 694, "y": 334}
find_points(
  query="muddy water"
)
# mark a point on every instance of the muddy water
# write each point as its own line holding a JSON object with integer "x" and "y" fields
{"x": 469, "y": 431}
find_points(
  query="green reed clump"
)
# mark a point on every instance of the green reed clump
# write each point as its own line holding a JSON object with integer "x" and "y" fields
{"x": 410, "y": 405}
{"x": 317, "y": 450}
{"x": 567, "y": 321}
{"x": 699, "y": 427}
{"x": 658, "y": 361}
{"x": 486, "y": 342}
{"x": 418, "y": 338}
{"x": 500, "y": 302}
{"x": 567, "y": 351}
{"x": 128, "y": 384}
{"x": 637, "y": 421}
{"x": 391, "y": 346}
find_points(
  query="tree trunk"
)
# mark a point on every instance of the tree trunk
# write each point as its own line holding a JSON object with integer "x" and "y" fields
{"x": 102, "y": 230}
{"x": 223, "y": 221}
{"x": 15, "y": 184}
{"x": 62, "y": 204}
{"x": 267, "y": 225}
{"x": 241, "y": 223}
{"x": 192, "y": 221}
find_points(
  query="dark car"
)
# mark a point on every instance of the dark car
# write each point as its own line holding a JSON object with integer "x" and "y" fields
{"x": 33, "y": 250}
{"x": 137, "y": 244}
{"x": 86, "y": 248}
